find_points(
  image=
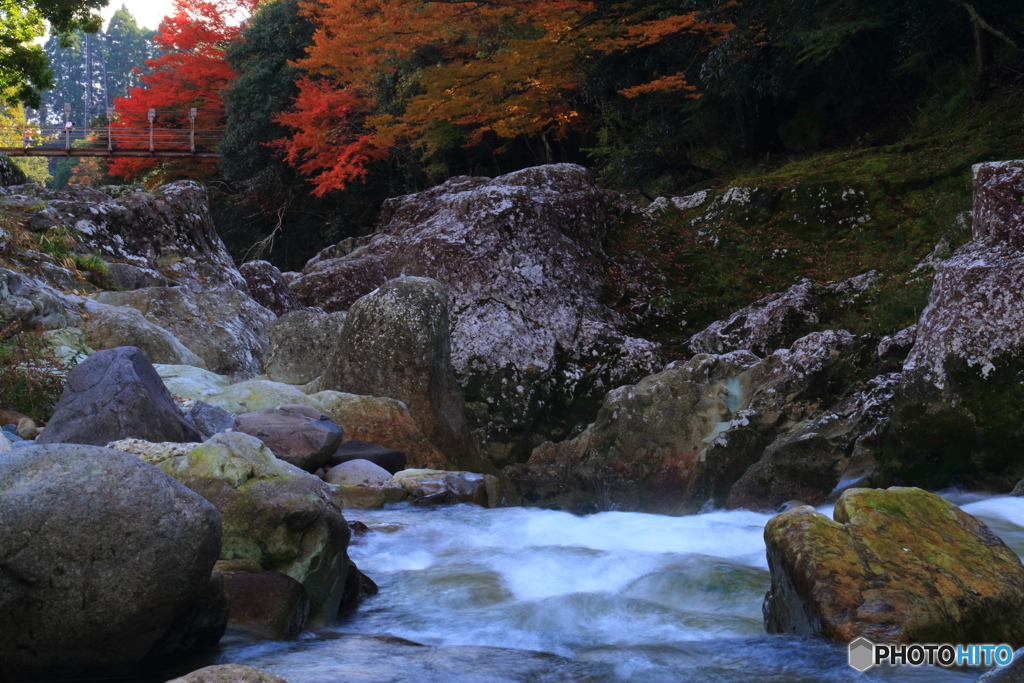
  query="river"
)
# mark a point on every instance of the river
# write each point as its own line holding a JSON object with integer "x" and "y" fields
{"x": 530, "y": 595}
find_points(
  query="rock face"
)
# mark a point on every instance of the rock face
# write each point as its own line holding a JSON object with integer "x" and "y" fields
{"x": 299, "y": 435}
{"x": 301, "y": 345}
{"x": 960, "y": 404}
{"x": 686, "y": 435}
{"x": 896, "y": 566}
{"x": 395, "y": 343}
{"x": 268, "y": 288}
{"x": 270, "y": 605}
{"x": 521, "y": 258}
{"x": 222, "y": 325}
{"x": 166, "y": 234}
{"x": 777, "y": 320}
{"x": 116, "y": 394}
{"x": 10, "y": 174}
{"x": 273, "y": 512}
{"x": 39, "y": 306}
{"x": 111, "y": 326}
{"x": 119, "y": 559}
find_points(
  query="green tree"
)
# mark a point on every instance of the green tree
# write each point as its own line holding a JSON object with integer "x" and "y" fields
{"x": 24, "y": 69}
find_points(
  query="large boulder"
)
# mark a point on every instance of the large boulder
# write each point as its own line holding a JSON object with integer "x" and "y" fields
{"x": 390, "y": 459}
{"x": 270, "y": 605}
{"x": 257, "y": 394}
{"x": 222, "y": 325}
{"x": 191, "y": 382}
{"x": 104, "y": 562}
{"x": 521, "y": 258}
{"x": 686, "y": 435}
{"x": 268, "y": 287}
{"x": 383, "y": 421}
{"x": 396, "y": 344}
{"x": 896, "y": 566}
{"x": 274, "y": 513}
{"x": 301, "y": 345}
{"x": 164, "y": 236}
{"x": 111, "y": 326}
{"x": 297, "y": 434}
{"x": 36, "y": 304}
{"x": 116, "y": 394}
{"x": 959, "y": 409}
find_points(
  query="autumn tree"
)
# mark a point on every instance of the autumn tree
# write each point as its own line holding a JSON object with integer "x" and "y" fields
{"x": 429, "y": 75}
{"x": 191, "y": 72}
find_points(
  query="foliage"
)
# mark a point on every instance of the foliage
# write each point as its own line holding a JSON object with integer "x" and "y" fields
{"x": 190, "y": 73}
{"x": 13, "y": 119}
{"x": 32, "y": 377}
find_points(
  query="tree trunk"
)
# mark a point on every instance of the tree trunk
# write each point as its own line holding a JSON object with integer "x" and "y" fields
{"x": 982, "y": 47}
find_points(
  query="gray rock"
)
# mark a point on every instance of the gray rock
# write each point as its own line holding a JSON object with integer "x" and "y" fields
{"x": 1013, "y": 673}
{"x": 390, "y": 459}
{"x": 268, "y": 288}
{"x": 128, "y": 276}
{"x": 119, "y": 561}
{"x": 38, "y": 305}
{"x": 521, "y": 259}
{"x": 109, "y": 327}
{"x": 116, "y": 394}
{"x": 222, "y": 325}
{"x": 301, "y": 345}
{"x": 998, "y": 212}
{"x": 269, "y": 605}
{"x": 358, "y": 473}
{"x": 300, "y": 435}
{"x": 438, "y": 487}
{"x": 395, "y": 343}
{"x": 229, "y": 673}
{"x": 209, "y": 420}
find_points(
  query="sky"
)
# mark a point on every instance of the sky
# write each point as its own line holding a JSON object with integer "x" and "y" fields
{"x": 148, "y": 13}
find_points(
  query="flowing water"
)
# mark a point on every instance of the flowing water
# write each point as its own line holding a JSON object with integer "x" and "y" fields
{"x": 533, "y": 595}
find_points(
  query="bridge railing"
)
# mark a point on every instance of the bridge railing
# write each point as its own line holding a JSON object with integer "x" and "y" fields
{"x": 111, "y": 138}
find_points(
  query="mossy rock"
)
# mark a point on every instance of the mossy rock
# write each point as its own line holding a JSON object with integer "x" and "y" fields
{"x": 256, "y": 394}
{"x": 898, "y": 565}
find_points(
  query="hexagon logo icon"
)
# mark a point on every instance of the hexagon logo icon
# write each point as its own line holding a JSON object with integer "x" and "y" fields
{"x": 862, "y": 654}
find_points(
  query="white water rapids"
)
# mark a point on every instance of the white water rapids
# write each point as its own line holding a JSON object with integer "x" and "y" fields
{"x": 619, "y": 597}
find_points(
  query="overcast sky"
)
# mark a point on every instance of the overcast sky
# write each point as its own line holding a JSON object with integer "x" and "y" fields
{"x": 148, "y": 13}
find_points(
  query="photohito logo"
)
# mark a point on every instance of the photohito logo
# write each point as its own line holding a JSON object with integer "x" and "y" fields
{"x": 864, "y": 654}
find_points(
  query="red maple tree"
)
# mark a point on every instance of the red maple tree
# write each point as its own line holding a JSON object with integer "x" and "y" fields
{"x": 191, "y": 73}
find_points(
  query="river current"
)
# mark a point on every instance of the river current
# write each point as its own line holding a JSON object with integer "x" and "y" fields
{"x": 530, "y": 595}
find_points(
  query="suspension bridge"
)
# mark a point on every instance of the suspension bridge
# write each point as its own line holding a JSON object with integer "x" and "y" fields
{"x": 180, "y": 138}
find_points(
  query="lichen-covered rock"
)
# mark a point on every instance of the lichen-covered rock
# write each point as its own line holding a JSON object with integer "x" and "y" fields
{"x": 298, "y": 434}
{"x": 190, "y": 382}
{"x": 273, "y": 512}
{"x": 396, "y": 344}
{"x": 521, "y": 258}
{"x": 896, "y": 566}
{"x": 222, "y": 325}
{"x": 116, "y": 394}
{"x": 167, "y": 232}
{"x": 229, "y": 673}
{"x": 777, "y": 320}
{"x": 268, "y": 288}
{"x": 960, "y": 405}
{"x": 104, "y": 561}
{"x": 383, "y": 421}
{"x": 111, "y": 326}
{"x": 686, "y": 435}
{"x": 38, "y": 305}
{"x": 301, "y": 345}
{"x": 257, "y": 394}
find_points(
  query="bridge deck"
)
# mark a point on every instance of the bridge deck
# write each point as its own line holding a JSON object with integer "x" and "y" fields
{"x": 155, "y": 142}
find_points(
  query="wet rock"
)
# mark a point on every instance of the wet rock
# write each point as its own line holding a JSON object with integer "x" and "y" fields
{"x": 358, "y": 473}
{"x": 359, "y": 497}
{"x": 273, "y": 512}
{"x": 301, "y": 345}
{"x": 270, "y": 605}
{"x": 118, "y": 565}
{"x": 896, "y": 566}
{"x": 396, "y": 343}
{"x": 358, "y": 586}
{"x": 229, "y": 673}
{"x": 960, "y": 404}
{"x": 297, "y": 434}
{"x": 109, "y": 327}
{"x": 116, "y": 394}
{"x": 268, "y": 288}
{"x": 777, "y": 320}
{"x": 450, "y": 488}
{"x": 388, "y": 459}
{"x": 383, "y": 421}
{"x": 222, "y": 325}
{"x": 1012, "y": 673}
{"x": 521, "y": 259}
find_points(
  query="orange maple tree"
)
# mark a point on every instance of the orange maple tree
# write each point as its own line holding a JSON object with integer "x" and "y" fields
{"x": 427, "y": 73}
{"x": 191, "y": 73}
